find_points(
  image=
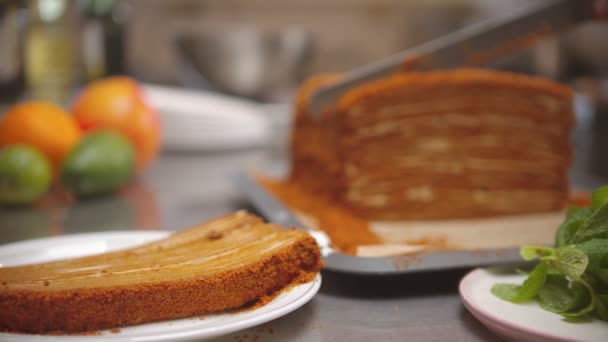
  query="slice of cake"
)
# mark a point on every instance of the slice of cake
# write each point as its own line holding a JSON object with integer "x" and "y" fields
{"x": 434, "y": 145}
{"x": 224, "y": 264}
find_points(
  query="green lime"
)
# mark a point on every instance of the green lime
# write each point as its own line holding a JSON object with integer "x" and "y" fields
{"x": 102, "y": 162}
{"x": 25, "y": 174}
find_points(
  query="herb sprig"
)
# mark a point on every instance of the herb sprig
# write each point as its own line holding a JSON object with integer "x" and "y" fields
{"x": 570, "y": 279}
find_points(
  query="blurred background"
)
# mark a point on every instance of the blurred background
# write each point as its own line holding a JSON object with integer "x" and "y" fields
{"x": 236, "y": 46}
{"x": 222, "y": 75}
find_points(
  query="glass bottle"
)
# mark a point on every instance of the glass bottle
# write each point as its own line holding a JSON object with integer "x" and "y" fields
{"x": 11, "y": 66}
{"x": 52, "y": 50}
{"x": 103, "y": 37}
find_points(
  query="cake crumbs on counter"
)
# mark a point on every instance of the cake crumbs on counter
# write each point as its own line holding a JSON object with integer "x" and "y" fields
{"x": 267, "y": 298}
{"x": 316, "y": 326}
{"x": 246, "y": 337}
{"x": 332, "y": 218}
{"x": 406, "y": 261}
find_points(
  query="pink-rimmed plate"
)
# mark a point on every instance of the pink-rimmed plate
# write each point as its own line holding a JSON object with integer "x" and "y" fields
{"x": 521, "y": 322}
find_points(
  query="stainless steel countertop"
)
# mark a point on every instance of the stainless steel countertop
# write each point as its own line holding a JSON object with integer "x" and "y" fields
{"x": 180, "y": 190}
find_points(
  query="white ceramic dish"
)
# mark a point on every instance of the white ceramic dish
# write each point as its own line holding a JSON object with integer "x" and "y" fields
{"x": 198, "y": 120}
{"x": 199, "y": 328}
{"x": 521, "y": 322}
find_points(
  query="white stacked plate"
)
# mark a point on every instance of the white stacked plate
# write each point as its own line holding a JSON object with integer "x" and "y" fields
{"x": 196, "y": 120}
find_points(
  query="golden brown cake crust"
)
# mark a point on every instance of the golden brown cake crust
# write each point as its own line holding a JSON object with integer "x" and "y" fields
{"x": 74, "y": 309}
{"x": 457, "y": 77}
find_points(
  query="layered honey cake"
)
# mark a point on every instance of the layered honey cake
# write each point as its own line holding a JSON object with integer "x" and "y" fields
{"x": 438, "y": 145}
{"x": 224, "y": 264}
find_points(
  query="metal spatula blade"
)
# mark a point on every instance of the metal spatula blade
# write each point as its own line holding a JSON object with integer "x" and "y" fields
{"x": 481, "y": 44}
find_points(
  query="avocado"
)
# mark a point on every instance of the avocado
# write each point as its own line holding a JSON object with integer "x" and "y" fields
{"x": 101, "y": 163}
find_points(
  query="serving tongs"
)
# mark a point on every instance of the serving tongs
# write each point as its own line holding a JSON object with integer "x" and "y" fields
{"x": 486, "y": 43}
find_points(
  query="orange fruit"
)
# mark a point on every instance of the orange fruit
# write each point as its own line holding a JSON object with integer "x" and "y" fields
{"x": 41, "y": 125}
{"x": 117, "y": 103}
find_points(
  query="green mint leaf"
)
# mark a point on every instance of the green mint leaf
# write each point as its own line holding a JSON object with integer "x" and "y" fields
{"x": 597, "y": 252}
{"x": 506, "y": 292}
{"x": 577, "y": 213}
{"x": 554, "y": 271}
{"x": 558, "y": 279}
{"x": 585, "y": 301}
{"x": 571, "y": 261}
{"x": 535, "y": 281}
{"x": 595, "y": 227}
{"x": 533, "y": 252}
{"x": 572, "y": 278}
{"x": 575, "y": 217}
{"x": 582, "y": 297}
{"x": 596, "y": 249}
{"x": 528, "y": 290}
{"x": 604, "y": 258}
{"x": 599, "y": 197}
{"x": 595, "y": 282}
{"x": 601, "y": 306}
{"x": 555, "y": 295}
{"x": 602, "y": 275}
{"x": 566, "y": 231}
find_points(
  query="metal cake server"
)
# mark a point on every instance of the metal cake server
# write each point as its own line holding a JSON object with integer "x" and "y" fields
{"x": 481, "y": 44}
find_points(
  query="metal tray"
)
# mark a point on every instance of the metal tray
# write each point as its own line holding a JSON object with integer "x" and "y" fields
{"x": 274, "y": 211}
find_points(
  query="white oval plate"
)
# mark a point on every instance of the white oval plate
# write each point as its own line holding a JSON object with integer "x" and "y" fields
{"x": 520, "y": 322}
{"x": 62, "y": 247}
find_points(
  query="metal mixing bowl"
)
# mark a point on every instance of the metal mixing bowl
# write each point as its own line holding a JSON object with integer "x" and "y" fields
{"x": 247, "y": 62}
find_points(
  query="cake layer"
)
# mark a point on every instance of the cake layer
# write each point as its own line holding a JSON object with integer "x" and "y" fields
{"x": 482, "y": 181}
{"x": 427, "y": 202}
{"x": 481, "y": 142}
{"x": 550, "y": 135}
{"x": 496, "y": 86}
{"x": 223, "y": 264}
